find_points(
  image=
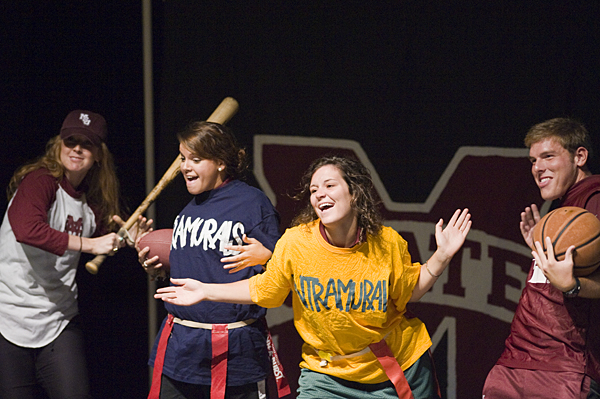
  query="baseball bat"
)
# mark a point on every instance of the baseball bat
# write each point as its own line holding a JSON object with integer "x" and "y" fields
{"x": 222, "y": 114}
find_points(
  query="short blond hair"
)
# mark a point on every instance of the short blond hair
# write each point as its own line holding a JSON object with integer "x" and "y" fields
{"x": 569, "y": 133}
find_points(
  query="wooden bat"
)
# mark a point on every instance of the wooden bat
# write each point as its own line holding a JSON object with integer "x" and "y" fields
{"x": 222, "y": 114}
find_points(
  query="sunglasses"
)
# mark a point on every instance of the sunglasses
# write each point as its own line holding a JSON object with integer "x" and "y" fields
{"x": 74, "y": 141}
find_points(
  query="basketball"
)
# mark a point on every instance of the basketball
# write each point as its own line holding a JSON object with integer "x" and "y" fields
{"x": 571, "y": 225}
{"x": 159, "y": 242}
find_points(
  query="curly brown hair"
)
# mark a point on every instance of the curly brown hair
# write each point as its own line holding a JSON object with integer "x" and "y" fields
{"x": 360, "y": 185}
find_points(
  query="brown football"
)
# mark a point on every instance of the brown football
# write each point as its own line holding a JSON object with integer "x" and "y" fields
{"x": 159, "y": 242}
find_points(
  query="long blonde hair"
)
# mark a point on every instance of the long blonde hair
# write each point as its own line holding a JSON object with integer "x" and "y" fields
{"x": 100, "y": 183}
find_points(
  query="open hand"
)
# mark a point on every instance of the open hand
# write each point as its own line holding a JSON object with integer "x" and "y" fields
{"x": 139, "y": 228}
{"x": 184, "y": 292}
{"x": 249, "y": 255}
{"x": 450, "y": 239}
{"x": 529, "y": 218}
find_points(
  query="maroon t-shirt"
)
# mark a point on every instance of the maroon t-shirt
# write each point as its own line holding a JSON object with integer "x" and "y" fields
{"x": 550, "y": 332}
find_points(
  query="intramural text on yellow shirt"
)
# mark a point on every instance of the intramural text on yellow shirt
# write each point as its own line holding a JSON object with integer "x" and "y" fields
{"x": 315, "y": 296}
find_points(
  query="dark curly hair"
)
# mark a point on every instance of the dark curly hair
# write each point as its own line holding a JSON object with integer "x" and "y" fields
{"x": 361, "y": 188}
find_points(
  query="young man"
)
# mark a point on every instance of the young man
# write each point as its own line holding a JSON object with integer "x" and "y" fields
{"x": 553, "y": 350}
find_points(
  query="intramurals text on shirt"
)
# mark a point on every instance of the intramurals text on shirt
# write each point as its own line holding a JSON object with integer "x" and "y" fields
{"x": 207, "y": 233}
{"x": 315, "y": 295}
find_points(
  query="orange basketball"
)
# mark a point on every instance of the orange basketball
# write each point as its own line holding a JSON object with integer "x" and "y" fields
{"x": 568, "y": 226}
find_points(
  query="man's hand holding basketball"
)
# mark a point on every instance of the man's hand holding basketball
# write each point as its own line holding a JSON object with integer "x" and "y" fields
{"x": 559, "y": 273}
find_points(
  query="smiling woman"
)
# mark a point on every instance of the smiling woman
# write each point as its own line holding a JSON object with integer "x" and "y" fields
{"x": 59, "y": 206}
{"x": 200, "y": 174}
{"x": 331, "y": 199}
{"x": 78, "y": 155}
{"x": 227, "y": 221}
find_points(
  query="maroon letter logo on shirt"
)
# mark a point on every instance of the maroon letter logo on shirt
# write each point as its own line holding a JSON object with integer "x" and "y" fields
{"x": 74, "y": 227}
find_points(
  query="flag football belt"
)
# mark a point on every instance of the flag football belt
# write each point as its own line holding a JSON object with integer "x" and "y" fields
{"x": 207, "y": 326}
{"x": 387, "y": 360}
{"x": 220, "y": 348}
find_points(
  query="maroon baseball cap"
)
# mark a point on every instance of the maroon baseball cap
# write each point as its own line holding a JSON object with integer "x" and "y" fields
{"x": 85, "y": 123}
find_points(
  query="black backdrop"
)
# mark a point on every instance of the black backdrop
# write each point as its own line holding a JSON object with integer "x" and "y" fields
{"x": 410, "y": 81}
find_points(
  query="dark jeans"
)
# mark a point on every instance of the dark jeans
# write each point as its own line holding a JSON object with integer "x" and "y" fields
{"x": 57, "y": 370}
{"x": 172, "y": 389}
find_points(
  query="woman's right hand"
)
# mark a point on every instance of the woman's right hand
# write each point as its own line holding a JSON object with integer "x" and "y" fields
{"x": 150, "y": 265}
{"x": 103, "y": 245}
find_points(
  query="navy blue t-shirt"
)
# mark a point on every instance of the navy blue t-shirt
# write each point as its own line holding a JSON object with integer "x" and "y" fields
{"x": 201, "y": 230}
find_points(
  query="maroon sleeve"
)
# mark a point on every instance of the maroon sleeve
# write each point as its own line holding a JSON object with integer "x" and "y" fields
{"x": 593, "y": 204}
{"x": 28, "y": 213}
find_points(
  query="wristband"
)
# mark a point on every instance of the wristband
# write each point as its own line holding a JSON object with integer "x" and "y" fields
{"x": 573, "y": 292}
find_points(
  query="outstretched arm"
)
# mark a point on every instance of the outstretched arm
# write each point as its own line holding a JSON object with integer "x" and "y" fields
{"x": 187, "y": 292}
{"x": 449, "y": 241}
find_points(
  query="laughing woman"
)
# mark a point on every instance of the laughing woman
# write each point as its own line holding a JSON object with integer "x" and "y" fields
{"x": 351, "y": 279}
{"x": 224, "y": 211}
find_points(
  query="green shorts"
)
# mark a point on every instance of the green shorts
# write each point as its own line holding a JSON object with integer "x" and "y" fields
{"x": 420, "y": 376}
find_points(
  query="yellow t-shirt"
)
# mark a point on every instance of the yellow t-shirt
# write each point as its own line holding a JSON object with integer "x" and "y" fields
{"x": 344, "y": 299}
